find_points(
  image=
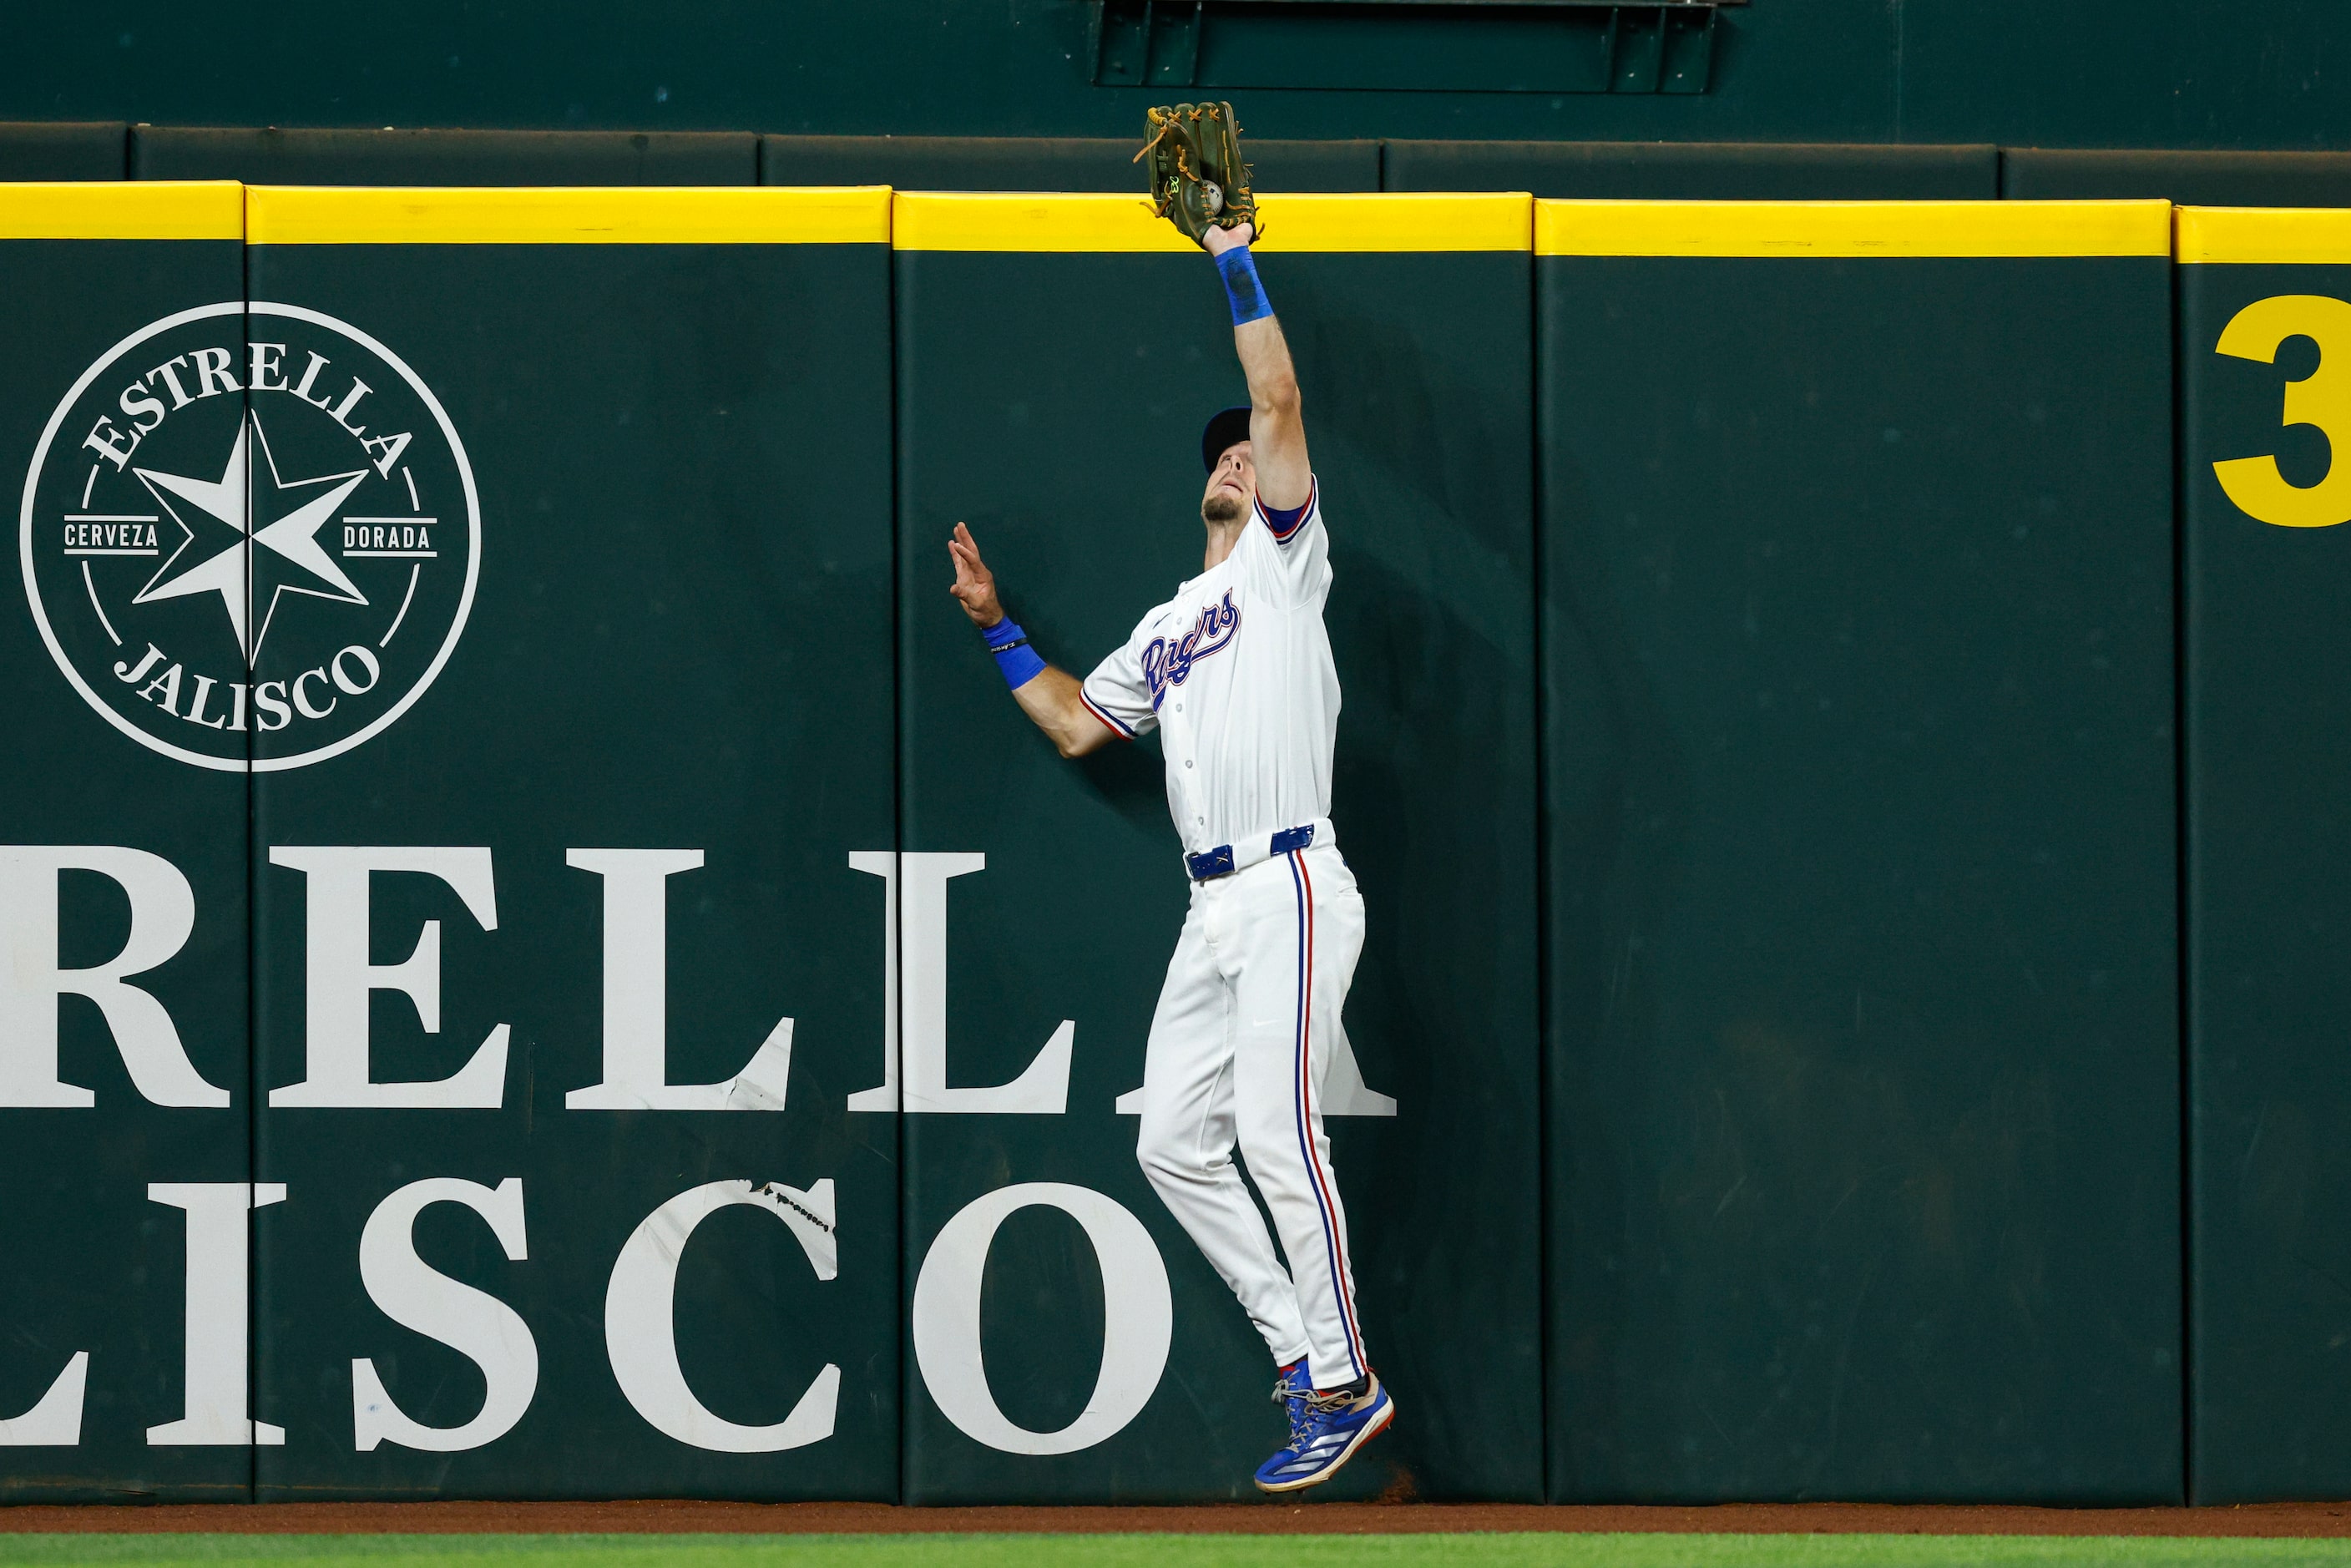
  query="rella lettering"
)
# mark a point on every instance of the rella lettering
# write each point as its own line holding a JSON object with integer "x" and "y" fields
{"x": 218, "y": 1402}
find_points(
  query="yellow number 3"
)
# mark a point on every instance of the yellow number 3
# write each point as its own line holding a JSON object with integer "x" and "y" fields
{"x": 2323, "y": 398}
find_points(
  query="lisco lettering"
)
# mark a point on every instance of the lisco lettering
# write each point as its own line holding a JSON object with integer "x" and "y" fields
{"x": 250, "y": 555}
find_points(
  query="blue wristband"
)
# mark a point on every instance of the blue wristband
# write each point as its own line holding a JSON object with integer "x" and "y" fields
{"x": 1014, "y": 656}
{"x": 1241, "y": 286}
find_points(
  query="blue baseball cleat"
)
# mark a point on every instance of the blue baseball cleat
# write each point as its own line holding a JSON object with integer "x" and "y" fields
{"x": 1291, "y": 1390}
{"x": 1325, "y": 1430}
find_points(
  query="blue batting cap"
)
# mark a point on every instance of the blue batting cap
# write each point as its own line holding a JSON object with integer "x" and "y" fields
{"x": 1228, "y": 427}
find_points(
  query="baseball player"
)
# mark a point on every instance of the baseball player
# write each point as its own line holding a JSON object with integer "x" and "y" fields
{"x": 1235, "y": 673}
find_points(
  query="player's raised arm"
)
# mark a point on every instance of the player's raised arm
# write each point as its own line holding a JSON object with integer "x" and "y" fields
{"x": 1049, "y": 696}
{"x": 1277, "y": 433}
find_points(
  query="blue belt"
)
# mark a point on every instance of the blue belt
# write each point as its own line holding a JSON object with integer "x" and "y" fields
{"x": 1221, "y": 861}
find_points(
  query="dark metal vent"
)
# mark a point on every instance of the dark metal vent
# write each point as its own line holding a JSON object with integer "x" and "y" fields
{"x": 1392, "y": 45}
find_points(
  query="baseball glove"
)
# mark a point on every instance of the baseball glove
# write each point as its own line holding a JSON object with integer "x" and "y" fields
{"x": 1197, "y": 179}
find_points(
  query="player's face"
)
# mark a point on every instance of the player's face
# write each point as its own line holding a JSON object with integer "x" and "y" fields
{"x": 1230, "y": 486}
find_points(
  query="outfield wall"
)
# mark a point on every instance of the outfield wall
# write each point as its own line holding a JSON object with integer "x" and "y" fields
{"x": 1859, "y": 755}
{"x": 548, "y": 967}
{"x": 2266, "y": 679}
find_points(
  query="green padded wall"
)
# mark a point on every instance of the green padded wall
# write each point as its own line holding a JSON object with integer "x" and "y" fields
{"x": 2207, "y": 179}
{"x": 1697, "y": 171}
{"x": 1055, "y": 362}
{"x": 408, "y": 157}
{"x": 30, "y": 149}
{"x": 1041, "y": 163}
{"x": 1854, "y": 1162}
{"x": 2268, "y": 676}
{"x": 120, "y": 857}
{"x": 1862, "y": 1002}
{"x": 678, "y": 640}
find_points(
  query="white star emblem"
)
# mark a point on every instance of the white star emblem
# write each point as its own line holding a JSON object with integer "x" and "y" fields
{"x": 229, "y": 570}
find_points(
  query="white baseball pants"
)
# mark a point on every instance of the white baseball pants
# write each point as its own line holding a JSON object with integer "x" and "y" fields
{"x": 1238, "y": 1049}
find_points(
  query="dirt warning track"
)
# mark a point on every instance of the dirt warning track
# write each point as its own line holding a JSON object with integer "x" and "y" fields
{"x": 2285, "y": 1520}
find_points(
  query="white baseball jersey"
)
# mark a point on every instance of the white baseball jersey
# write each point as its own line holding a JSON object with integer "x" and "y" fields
{"x": 1235, "y": 672}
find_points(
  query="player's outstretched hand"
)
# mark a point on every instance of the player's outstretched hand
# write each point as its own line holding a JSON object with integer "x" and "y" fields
{"x": 975, "y": 585}
{"x": 1216, "y": 241}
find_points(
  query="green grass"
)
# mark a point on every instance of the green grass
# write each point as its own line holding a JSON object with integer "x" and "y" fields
{"x": 1164, "y": 1550}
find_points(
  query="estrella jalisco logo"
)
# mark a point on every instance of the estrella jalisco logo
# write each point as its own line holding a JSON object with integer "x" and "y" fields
{"x": 250, "y": 536}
